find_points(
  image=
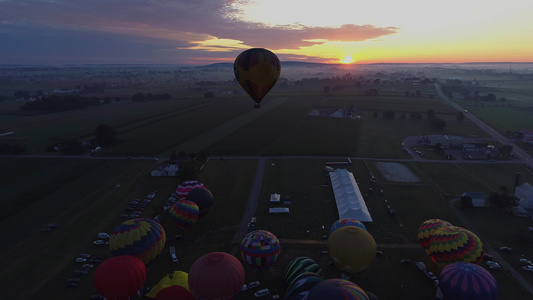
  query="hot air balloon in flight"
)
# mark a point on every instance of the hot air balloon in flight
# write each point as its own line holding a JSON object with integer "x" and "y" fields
{"x": 337, "y": 289}
{"x": 298, "y": 266}
{"x": 185, "y": 187}
{"x": 216, "y": 275}
{"x": 351, "y": 249}
{"x": 184, "y": 214}
{"x": 143, "y": 238}
{"x": 257, "y": 70}
{"x": 455, "y": 244}
{"x": 260, "y": 249}
{"x": 346, "y": 222}
{"x": 120, "y": 277}
{"x": 466, "y": 281}
{"x": 427, "y": 229}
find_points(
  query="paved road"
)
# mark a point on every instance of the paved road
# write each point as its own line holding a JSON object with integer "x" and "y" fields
{"x": 523, "y": 155}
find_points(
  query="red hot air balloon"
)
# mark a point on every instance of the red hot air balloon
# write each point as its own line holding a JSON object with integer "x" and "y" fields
{"x": 257, "y": 70}
{"x": 216, "y": 275}
{"x": 120, "y": 277}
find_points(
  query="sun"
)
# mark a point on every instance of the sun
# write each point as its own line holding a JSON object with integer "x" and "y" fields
{"x": 348, "y": 59}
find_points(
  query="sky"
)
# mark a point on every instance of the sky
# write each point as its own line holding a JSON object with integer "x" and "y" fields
{"x": 201, "y": 32}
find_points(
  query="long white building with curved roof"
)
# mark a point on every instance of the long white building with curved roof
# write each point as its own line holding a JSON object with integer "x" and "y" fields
{"x": 350, "y": 202}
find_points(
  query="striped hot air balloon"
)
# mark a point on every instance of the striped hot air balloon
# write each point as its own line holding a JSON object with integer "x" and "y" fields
{"x": 455, "y": 244}
{"x": 346, "y": 222}
{"x": 301, "y": 286}
{"x": 427, "y": 229}
{"x": 260, "y": 249}
{"x": 466, "y": 281}
{"x": 297, "y": 266}
{"x": 142, "y": 238}
{"x": 185, "y": 187}
{"x": 184, "y": 214}
{"x": 337, "y": 289}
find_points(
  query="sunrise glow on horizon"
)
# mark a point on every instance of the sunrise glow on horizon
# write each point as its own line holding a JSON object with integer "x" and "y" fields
{"x": 206, "y": 31}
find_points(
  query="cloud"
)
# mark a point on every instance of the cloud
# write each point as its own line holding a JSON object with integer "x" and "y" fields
{"x": 169, "y": 26}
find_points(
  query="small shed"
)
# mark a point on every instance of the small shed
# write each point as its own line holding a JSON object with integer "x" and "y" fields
{"x": 275, "y": 197}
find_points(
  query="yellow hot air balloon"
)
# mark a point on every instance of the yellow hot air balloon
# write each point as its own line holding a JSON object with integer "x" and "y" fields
{"x": 351, "y": 249}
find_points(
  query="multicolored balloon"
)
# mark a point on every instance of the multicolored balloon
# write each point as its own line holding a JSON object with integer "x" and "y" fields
{"x": 298, "y": 266}
{"x": 455, "y": 244}
{"x": 216, "y": 275}
{"x": 142, "y": 238}
{"x": 184, "y": 214}
{"x": 120, "y": 277}
{"x": 301, "y": 286}
{"x": 466, "y": 281}
{"x": 257, "y": 70}
{"x": 185, "y": 187}
{"x": 337, "y": 289}
{"x": 260, "y": 249}
{"x": 346, "y": 222}
{"x": 202, "y": 197}
{"x": 427, "y": 229}
{"x": 351, "y": 249}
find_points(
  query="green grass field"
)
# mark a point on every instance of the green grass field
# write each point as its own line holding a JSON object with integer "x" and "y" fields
{"x": 80, "y": 194}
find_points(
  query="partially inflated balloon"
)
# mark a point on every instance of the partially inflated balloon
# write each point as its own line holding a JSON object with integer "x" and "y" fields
{"x": 298, "y": 266}
{"x": 143, "y": 238}
{"x": 257, "y": 70}
{"x": 185, "y": 187}
{"x": 466, "y": 281}
{"x": 346, "y": 222}
{"x": 455, "y": 244}
{"x": 120, "y": 277}
{"x": 427, "y": 229}
{"x": 184, "y": 214}
{"x": 337, "y": 289}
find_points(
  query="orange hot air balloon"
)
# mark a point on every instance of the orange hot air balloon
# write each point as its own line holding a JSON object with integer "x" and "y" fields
{"x": 257, "y": 70}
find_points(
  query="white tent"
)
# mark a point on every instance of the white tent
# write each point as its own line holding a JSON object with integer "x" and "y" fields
{"x": 350, "y": 202}
{"x": 524, "y": 193}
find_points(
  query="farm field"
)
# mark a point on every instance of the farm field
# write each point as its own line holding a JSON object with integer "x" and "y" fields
{"x": 81, "y": 193}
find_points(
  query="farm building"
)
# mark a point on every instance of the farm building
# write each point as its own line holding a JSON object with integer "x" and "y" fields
{"x": 165, "y": 170}
{"x": 350, "y": 202}
{"x": 524, "y": 193}
{"x": 275, "y": 197}
{"x": 478, "y": 198}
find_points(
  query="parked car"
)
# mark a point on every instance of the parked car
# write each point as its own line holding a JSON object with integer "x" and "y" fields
{"x": 527, "y": 268}
{"x": 262, "y": 293}
{"x": 84, "y": 255}
{"x": 253, "y": 284}
{"x": 525, "y": 262}
{"x": 506, "y": 249}
{"x": 487, "y": 257}
{"x": 81, "y": 260}
{"x": 99, "y": 242}
{"x": 74, "y": 279}
{"x": 81, "y": 272}
{"x": 72, "y": 285}
{"x": 90, "y": 266}
{"x": 103, "y": 235}
{"x": 95, "y": 260}
{"x": 53, "y": 225}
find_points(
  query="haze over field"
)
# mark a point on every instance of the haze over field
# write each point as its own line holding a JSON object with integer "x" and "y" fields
{"x": 206, "y": 31}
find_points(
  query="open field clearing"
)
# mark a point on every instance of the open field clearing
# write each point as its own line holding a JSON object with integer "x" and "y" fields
{"x": 89, "y": 195}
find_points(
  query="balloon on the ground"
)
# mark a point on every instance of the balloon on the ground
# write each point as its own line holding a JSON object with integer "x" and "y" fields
{"x": 455, "y": 244}
{"x": 260, "y": 249}
{"x": 185, "y": 187}
{"x": 174, "y": 279}
{"x": 467, "y": 281}
{"x": 346, "y": 222}
{"x": 184, "y": 214}
{"x": 301, "y": 286}
{"x": 143, "y": 238}
{"x": 120, "y": 277}
{"x": 202, "y": 197}
{"x": 216, "y": 275}
{"x": 257, "y": 70}
{"x": 351, "y": 249}
{"x": 427, "y": 229}
{"x": 337, "y": 289}
{"x": 297, "y": 266}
